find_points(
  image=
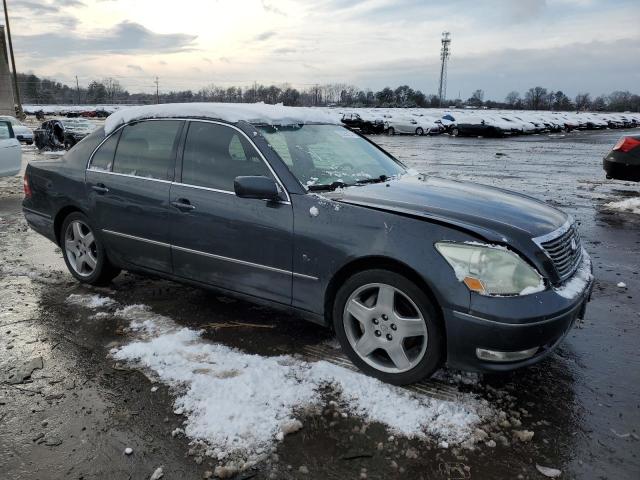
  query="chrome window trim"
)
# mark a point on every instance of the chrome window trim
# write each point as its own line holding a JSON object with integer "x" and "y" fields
{"x": 212, "y": 255}
{"x": 131, "y": 176}
{"x": 251, "y": 142}
{"x": 227, "y": 192}
{"x": 187, "y": 119}
{"x": 199, "y": 187}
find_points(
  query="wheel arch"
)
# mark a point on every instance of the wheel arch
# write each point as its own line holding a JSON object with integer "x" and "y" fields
{"x": 63, "y": 213}
{"x": 373, "y": 263}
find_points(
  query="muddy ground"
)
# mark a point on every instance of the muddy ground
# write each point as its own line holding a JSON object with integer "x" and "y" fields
{"x": 78, "y": 410}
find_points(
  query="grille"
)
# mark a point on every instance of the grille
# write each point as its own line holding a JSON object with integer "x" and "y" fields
{"x": 565, "y": 250}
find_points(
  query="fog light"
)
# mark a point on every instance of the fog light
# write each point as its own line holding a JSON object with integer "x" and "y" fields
{"x": 495, "y": 356}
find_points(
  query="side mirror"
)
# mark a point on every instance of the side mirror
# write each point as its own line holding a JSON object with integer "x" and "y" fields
{"x": 261, "y": 188}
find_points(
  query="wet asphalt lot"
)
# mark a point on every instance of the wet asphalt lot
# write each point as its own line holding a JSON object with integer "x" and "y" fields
{"x": 74, "y": 416}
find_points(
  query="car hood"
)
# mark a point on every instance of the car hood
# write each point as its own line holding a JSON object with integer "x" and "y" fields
{"x": 493, "y": 213}
{"x": 22, "y": 130}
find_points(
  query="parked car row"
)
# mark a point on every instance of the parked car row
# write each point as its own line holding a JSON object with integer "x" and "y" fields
{"x": 485, "y": 123}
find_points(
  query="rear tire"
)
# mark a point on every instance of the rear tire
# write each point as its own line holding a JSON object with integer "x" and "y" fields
{"x": 419, "y": 131}
{"x": 455, "y": 132}
{"x": 388, "y": 327}
{"x": 84, "y": 252}
{"x": 391, "y": 131}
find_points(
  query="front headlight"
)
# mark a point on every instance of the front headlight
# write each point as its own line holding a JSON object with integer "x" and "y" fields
{"x": 491, "y": 270}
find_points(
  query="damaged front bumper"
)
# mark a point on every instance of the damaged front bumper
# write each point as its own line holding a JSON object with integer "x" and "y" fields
{"x": 506, "y": 333}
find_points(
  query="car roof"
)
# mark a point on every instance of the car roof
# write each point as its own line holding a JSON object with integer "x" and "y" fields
{"x": 256, "y": 113}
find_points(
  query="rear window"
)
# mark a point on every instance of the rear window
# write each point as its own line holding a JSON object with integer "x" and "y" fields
{"x": 148, "y": 149}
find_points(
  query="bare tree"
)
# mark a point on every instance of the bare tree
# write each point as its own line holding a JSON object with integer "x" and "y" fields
{"x": 535, "y": 98}
{"x": 583, "y": 101}
{"x": 114, "y": 89}
{"x": 512, "y": 98}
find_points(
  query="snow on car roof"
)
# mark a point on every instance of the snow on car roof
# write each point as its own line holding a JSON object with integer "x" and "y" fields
{"x": 229, "y": 112}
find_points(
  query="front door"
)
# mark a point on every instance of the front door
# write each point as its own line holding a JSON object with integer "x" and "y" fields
{"x": 240, "y": 244}
{"x": 129, "y": 181}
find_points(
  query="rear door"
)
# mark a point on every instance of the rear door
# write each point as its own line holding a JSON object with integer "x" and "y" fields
{"x": 10, "y": 151}
{"x": 129, "y": 181}
{"x": 240, "y": 244}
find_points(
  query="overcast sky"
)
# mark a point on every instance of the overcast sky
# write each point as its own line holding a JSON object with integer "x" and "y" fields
{"x": 498, "y": 45}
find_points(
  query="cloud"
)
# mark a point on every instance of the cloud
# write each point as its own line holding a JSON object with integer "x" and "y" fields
{"x": 270, "y": 8}
{"x": 124, "y": 38}
{"x": 37, "y": 7}
{"x": 135, "y": 68}
{"x": 261, "y": 37}
{"x": 568, "y": 68}
{"x": 285, "y": 51}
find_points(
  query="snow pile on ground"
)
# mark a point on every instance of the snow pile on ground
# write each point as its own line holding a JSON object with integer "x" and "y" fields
{"x": 241, "y": 404}
{"x": 230, "y": 112}
{"x": 89, "y": 301}
{"x": 629, "y": 205}
{"x": 580, "y": 280}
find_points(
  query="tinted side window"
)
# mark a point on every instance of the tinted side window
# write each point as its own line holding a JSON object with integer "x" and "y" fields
{"x": 103, "y": 158}
{"x": 147, "y": 149}
{"x": 214, "y": 155}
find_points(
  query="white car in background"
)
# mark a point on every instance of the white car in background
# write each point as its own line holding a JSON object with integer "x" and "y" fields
{"x": 22, "y": 132}
{"x": 407, "y": 125}
{"x": 10, "y": 151}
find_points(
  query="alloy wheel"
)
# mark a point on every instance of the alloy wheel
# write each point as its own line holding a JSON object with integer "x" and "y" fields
{"x": 385, "y": 328}
{"x": 80, "y": 248}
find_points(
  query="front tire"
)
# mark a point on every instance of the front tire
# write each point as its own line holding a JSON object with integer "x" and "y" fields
{"x": 419, "y": 131}
{"x": 391, "y": 131}
{"x": 388, "y": 327}
{"x": 83, "y": 251}
{"x": 455, "y": 132}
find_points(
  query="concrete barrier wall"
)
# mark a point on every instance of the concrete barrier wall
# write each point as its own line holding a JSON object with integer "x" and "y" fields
{"x": 7, "y": 102}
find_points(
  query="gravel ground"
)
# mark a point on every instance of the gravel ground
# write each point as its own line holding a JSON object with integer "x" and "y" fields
{"x": 69, "y": 410}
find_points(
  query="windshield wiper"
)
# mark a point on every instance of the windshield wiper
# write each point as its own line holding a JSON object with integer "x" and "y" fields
{"x": 330, "y": 186}
{"x": 380, "y": 179}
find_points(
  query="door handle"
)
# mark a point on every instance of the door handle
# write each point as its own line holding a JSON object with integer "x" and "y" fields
{"x": 100, "y": 188}
{"x": 183, "y": 204}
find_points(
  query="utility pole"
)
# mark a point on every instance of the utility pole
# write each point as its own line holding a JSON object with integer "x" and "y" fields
{"x": 77, "y": 90}
{"x": 157, "y": 82}
{"x": 445, "y": 53}
{"x": 13, "y": 60}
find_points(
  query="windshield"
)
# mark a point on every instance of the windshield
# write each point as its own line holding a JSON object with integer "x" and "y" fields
{"x": 325, "y": 155}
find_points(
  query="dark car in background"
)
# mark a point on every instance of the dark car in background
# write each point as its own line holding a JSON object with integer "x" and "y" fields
{"x": 470, "y": 126}
{"x": 355, "y": 121}
{"x": 62, "y": 134}
{"x": 283, "y": 207}
{"x": 623, "y": 162}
